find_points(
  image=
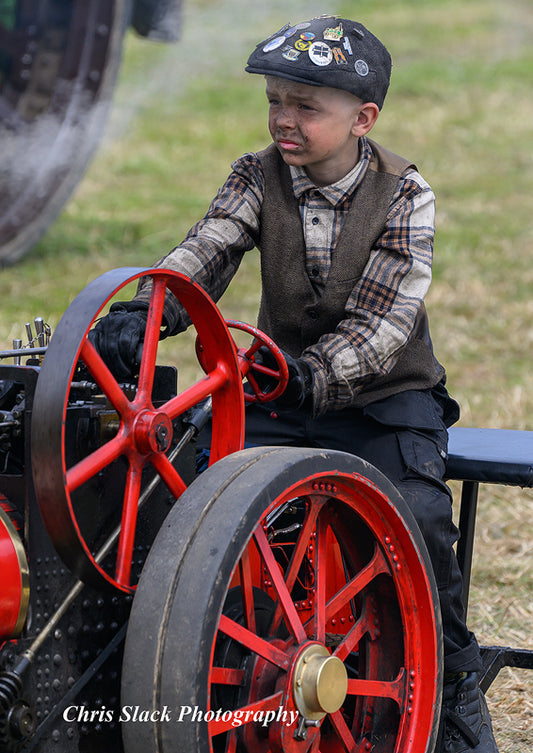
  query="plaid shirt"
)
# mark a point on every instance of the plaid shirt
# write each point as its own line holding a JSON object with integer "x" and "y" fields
{"x": 381, "y": 309}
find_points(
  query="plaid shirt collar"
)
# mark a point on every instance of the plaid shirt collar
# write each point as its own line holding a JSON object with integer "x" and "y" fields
{"x": 337, "y": 192}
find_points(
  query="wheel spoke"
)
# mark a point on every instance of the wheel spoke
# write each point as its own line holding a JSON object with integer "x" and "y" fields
{"x": 231, "y": 744}
{"x": 377, "y": 565}
{"x": 246, "y": 713}
{"x": 380, "y": 688}
{"x": 226, "y": 676}
{"x": 151, "y": 341}
{"x": 197, "y": 392}
{"x": 298, "y": 554}
{"x": 344, "y": 734}
{"x": 351, "y": 640}
{"x": 253, "y": 642}
{"x": 176, "y": 485}
{"x": 95, "y": 462}
{"x": 252, "y": 350}
{"x": 104, "y": 378}
{"x": 276, "y": 576}
{"x": 247, "y": 593}
{"x": 128, "y": 524}
{"x": 320, "y": 581}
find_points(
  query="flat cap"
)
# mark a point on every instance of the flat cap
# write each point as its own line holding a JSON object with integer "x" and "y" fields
{"x": 327, "y": 51}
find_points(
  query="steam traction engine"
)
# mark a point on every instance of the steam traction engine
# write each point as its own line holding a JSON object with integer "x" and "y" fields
{"x": 147, "y": 607}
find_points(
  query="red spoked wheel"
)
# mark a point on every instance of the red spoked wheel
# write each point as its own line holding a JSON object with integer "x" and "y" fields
{"x": 287, "y": 606}
{"x": 250, "y": 367}
{"x": 277, "y": 377}
{"x": 142, "y": 434}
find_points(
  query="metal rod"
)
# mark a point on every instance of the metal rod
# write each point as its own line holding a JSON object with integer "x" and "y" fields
{"x": 29, "y": 334}
{"x": 21, "y": 351}
{"x": 39, "y": 329}
{"x": 17, "y": 345}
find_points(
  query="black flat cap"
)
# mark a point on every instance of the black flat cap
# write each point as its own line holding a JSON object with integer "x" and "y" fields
{"x": 327, "y": 51}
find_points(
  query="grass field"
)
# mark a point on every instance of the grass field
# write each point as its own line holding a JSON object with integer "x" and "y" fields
{"x": 460, "y": 106}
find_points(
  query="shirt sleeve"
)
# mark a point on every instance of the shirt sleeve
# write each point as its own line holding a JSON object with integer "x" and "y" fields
{"x": 211, "y": 252}
{"x": 382, "y": 308}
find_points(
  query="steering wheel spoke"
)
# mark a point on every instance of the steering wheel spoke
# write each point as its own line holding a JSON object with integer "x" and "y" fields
{"x": 251, "y": 367}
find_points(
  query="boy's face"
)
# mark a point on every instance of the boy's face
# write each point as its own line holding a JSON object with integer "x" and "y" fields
{"x": 317, "y": 127}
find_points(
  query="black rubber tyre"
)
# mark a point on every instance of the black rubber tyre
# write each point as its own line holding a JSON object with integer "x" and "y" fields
{"x": 184, "y": 647}
{"x": 55, "y": 93}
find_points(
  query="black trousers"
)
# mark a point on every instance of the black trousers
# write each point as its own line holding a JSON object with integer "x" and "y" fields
{"x": 405, "y": 437}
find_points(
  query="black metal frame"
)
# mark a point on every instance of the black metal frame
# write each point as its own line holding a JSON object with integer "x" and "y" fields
{"x": 471, "y": 456}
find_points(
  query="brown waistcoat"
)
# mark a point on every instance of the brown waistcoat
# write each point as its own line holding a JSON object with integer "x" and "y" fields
{"x": 291, "y": 312}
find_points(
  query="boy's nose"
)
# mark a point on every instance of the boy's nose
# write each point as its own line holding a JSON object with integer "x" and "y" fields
{"x": 285, "y": 118}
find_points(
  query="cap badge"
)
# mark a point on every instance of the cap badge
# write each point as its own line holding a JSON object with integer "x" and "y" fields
{"x": 334, "y": 35}
{"x": 302, "y": 44}
{"x": 339, "y": 55}
{"x": 347, "y": 46}
{"x": 273, "y": 44}
{"x": 320, "y": 53}
{"x": 290, "y": 54}
{"x": 361, "y": 67}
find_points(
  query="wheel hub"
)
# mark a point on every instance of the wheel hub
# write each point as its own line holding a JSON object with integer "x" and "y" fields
{"x": 320, "y": 682}
{"x": 153, "y": 432}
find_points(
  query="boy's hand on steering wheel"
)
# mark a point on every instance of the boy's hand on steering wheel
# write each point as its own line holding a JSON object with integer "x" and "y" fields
{"x": 299, "y": 386}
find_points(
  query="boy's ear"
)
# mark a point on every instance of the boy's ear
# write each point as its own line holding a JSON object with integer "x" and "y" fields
{"x": 366, "y": 118}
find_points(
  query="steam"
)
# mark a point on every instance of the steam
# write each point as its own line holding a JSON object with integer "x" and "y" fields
{"x": 217, "y": 38}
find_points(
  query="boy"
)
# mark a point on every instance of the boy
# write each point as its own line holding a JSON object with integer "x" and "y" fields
{"x": 345, "y": 230}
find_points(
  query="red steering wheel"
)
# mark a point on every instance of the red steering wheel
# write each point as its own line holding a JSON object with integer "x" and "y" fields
{"x": 278, "y": 375}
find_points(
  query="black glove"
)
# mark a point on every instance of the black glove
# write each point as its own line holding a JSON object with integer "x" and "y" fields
{"x": 118, "y": 335}
{"x": 300, "y": 385}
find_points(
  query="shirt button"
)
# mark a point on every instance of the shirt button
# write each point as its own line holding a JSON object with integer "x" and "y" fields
{"x": 315, "y": 220}
{"x": 315, "y": 272}
{"x": 312, "y": 314}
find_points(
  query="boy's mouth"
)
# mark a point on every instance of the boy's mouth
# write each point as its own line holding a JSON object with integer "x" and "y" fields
{"x": 288, "y": 145}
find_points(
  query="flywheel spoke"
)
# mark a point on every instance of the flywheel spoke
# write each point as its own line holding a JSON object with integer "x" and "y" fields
{"x": 94, "y": 463}
{"x": 176, "y": 485}
{"x": 126, "y": 540}
{"x": 151, "y": 341}
{"x": 197, "y": 392}
{"x": 104, "y": 378}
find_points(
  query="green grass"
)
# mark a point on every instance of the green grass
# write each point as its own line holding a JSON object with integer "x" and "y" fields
{"x": 460, "y": 106}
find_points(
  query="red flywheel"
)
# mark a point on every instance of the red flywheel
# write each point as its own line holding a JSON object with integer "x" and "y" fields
{"x": 142, "y": 433}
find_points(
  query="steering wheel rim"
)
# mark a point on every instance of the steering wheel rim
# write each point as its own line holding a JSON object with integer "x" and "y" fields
{"x": 248, "y": 365}
{"x": 141, "y": 425}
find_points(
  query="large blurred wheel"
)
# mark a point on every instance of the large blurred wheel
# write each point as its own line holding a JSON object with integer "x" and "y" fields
{"x": 294, "y": 583}
{"x": 58, "y": 65}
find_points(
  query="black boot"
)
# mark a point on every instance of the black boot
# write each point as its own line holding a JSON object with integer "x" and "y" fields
{"x": 465, "y": 725}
